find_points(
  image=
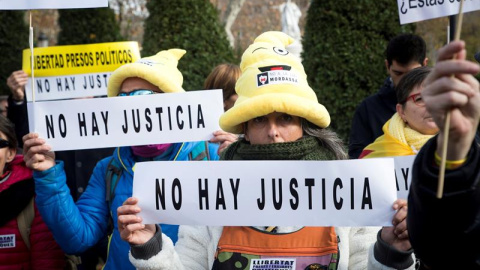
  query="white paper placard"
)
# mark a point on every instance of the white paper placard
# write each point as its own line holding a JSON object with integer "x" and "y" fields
{"x": 127, "y": 121}
{"x": 67, "y": 87}
{"x": 50, "y": 4}
{"x": 264, "y": 193}
{"x": 403, "y": 174}
{"x": 420, "y": 10}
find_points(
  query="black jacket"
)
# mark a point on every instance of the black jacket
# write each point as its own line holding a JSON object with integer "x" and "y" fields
{"x": 445, "y": 233}
{"x": 369, "y": 118}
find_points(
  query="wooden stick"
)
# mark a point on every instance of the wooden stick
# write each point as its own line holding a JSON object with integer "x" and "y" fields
{"x": 30, "y": 41}
{"x": 446, "y": 127}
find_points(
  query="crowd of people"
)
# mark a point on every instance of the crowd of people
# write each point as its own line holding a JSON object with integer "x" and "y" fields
{"x": 83, "y": 202}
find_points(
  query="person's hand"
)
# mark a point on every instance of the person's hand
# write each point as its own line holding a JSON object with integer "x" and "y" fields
{"x": 36, "y": 153}
{"x": 224, "y": 138}
{"x": 130, "y": 226}
{"x": 451, "y": 87}
{"x": 397, "y": 235}
{"x": 16, "y": 82}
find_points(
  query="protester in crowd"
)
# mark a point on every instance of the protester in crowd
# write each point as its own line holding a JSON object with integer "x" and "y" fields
{"x": 411, "y": 126}
{"x": 404, "y": 53}
{"x": 78, "y": 164}
{"x": 224, "y": 76}
{"x": 445, "y": 232}
{"x": 281, "y": 120}
{"x": 25, "y": 240}
{"x": 77, "y": 227}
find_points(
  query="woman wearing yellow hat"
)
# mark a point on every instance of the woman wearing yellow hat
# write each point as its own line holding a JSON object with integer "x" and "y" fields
{"x": 281, "y": 119}
{"x": 78, "y": 226}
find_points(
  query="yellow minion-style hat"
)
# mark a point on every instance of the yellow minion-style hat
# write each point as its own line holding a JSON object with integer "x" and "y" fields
{"x": 160, "y": 70}
{"x": 272, "y": 80}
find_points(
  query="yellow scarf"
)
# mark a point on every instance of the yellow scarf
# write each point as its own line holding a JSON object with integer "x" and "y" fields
{"x": 398, "y": 140}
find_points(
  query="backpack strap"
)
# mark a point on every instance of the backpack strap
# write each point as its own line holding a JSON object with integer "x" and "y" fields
{"x": 200, "y": 152}
{"x": 113, "y": 173}
{"x": 24, "y": 221}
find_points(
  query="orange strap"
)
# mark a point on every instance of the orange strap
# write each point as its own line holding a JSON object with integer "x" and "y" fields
{"x": 308, "y": 241}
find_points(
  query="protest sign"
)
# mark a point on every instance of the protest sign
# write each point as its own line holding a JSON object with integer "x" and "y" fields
{"x": 127, "y": 121}
{"x": 420, "y": 10}
{"x": 264, "y": 193}
{"x": 403, "y": 175}
{"x": 50, "y": 4}
{"x": 64, "y": 72}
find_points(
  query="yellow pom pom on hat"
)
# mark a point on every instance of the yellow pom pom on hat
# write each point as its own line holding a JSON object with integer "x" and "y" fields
{"x": 160, "y": 70}
{"x": 272, "y": 80}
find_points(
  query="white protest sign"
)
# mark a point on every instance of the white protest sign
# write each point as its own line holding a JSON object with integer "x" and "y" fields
{"x": 403, "y": 174}
{"x": 50, "y": 4}
{"x": 68, "y": 87}
{"x": 263, "y": 193}
{"x": 420, "y": 10}
{"x": 126, "y": 121}
{"x": 73, "y": 71}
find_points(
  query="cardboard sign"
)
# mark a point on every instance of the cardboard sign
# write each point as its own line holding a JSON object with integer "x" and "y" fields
{"x": 50, "y": 4}
{"x": 127, "y": 121}
{"x": 64, "y": 72}
{"x": 420, "y": 10}
{"x": 264, "y": 193}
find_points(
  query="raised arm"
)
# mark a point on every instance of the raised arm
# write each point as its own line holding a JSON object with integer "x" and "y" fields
{"x": 452, "y": 87}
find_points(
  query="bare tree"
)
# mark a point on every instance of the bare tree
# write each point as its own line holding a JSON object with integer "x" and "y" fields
{"x": 129, "y": 8}
{"x": 233, "y": 8}
{"x": 131, "y": 15}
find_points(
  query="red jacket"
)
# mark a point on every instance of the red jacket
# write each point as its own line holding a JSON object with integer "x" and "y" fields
{"x": 16, "y": 191}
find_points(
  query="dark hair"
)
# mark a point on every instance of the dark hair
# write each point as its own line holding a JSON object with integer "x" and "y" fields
{"x": 405, "y": 48}
{"x": 223, "y": 76}
{"x": 327, "y": 137}
{"x": 412, "y": 79}
{"x": 8, "y": 129}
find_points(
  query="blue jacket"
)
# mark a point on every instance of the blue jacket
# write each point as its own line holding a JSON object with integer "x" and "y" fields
{"x": 76, "y": 227}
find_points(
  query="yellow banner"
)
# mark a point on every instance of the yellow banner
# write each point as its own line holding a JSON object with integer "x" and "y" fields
{"x": 80, "y": 59}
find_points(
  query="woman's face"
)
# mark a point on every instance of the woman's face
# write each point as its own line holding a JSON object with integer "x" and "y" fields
{"x": 6, "y": 153}
{"x": 227, "y": 104}
{"x": 273, "y": 128}
{"x": 415, "y": 114}
{"x": 134, "y": 83}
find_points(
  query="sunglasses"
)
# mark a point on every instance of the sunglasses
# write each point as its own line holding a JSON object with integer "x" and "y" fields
{"x": 138, "y": 92}
{"x": 4, "y": 143}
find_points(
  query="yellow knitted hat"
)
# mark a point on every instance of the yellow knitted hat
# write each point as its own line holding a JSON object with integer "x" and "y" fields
{"x": 272, "y": 80}
{"x": 160, "y": 70}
